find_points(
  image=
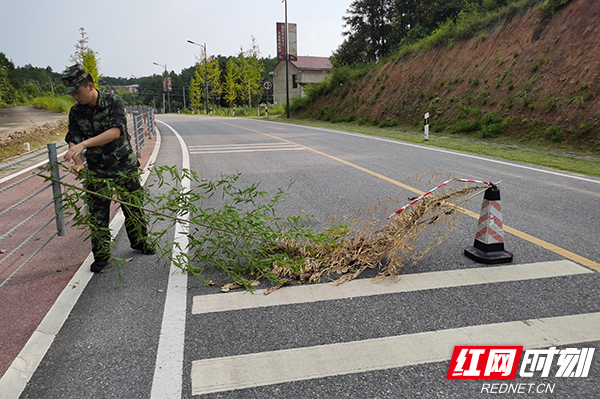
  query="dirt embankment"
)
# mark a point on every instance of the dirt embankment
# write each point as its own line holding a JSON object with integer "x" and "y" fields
{"x": 522, "y": 76}
{"x": 14, "y": 144}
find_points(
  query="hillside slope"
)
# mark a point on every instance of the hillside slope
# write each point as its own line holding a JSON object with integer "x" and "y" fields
{"x": 521, "y": 76}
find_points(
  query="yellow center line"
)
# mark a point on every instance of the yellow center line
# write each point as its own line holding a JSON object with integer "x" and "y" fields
{"x": 527, "y": 237}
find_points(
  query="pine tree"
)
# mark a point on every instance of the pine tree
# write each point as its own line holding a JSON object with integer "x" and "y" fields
{"x": 87, "y": 58}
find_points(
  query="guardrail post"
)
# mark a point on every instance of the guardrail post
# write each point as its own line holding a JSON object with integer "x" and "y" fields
{"x": 151, "y": 122}
{"x": 56, "y": 190}
{"x": 136, "y": 128}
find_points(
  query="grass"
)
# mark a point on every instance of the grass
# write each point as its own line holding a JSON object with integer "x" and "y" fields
{"x": 60, "y": 104}
{"x": 546, "y": 155}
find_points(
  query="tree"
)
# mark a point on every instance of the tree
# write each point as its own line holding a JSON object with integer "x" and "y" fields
{"x": 87, "y": 58}
{"x": 255, "y": 71}
{"x": 11, "y": 71}
{"x": 374, "y": 28}
{"x": 243, "y": 68}
{"x": 215, "y": 87}
{"x": 206, "y": 72}
{"x": 6, "y": 89}
{"x": 196, "y": 90}
{"x": 231, "y": 88}
{"x": 369, "y": 26}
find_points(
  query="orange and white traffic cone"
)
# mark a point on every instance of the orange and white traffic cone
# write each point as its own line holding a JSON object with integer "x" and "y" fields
{"x": 489, "y": 239}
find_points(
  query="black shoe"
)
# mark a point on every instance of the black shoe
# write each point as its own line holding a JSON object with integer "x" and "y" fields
{"x": 144, "y": 248}
{"x": 99, "y": 265}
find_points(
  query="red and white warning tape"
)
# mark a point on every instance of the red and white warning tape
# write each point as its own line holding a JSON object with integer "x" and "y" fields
{"x": 487, "y": 183}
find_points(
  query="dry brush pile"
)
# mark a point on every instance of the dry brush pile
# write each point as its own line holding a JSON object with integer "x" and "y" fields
{"x": 401, "y": 240}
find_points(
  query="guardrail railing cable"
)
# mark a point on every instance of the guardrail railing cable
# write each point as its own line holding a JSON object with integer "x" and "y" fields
{"x": 20, "y": 181}
{"x": 10, "y": 232}
{"x": 22, "y": 160}
{"x": 14, "y": 251}
{"x": 4, "y": 212}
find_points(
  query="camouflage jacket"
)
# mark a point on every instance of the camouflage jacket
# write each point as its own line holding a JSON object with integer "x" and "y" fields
{"x": 86, "y": 122}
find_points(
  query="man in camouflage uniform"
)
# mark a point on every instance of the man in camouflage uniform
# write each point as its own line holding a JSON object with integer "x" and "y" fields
{"x": 98, "y": 125}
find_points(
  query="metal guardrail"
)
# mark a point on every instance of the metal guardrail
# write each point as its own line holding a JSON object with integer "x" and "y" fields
{"x": 15, "y": 244}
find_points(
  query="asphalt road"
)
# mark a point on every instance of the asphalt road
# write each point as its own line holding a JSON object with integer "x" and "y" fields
{"x": 345, "y": 345}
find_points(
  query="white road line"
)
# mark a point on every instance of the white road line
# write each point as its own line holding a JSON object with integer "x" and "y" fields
{"x": 267, "y": 368}
{"x": 249, "y": 145}
{"x": 253, "y": 150}
{"x": 167, "y": 381}
{"x": 364, "y": 287}
{"x": 430, "y": 148}
{"x": 252, "y": 147}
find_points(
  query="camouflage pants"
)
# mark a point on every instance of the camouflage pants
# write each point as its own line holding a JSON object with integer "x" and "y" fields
{"x": 126, "y": 189}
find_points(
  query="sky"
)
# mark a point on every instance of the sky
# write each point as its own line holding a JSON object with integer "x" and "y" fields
{"x": 130, "y": 35}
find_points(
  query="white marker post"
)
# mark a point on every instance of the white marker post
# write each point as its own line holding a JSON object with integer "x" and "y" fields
{"x": 427, "y": 126}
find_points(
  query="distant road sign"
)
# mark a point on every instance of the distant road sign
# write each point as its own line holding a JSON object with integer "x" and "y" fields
{"x": 267, "y": 85}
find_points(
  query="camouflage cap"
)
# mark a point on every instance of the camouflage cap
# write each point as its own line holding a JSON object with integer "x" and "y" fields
{"x": 72, "y": 77}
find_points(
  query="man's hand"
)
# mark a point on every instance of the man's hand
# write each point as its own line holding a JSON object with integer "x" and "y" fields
{"x": 74, "y": 152}
{"x": 76, "y": 168}
{"x": 74, "y": 158}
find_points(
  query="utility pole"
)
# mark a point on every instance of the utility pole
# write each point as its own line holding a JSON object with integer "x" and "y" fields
{"x": 205, "y": 70}
{"x": 287, "y": 59}
{"x": 168, "y": 94}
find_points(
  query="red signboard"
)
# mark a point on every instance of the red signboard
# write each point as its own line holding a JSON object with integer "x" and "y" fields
{"x": 167, "y": 84}
{"x": 280, "y": 41}
{"x": 292, "y": 42}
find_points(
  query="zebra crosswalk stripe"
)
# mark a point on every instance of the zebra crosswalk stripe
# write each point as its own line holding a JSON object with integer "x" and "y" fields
{"x": 406, "y": 283}
{"x": 274, "y": 367}
{"x": 267, "y": 368}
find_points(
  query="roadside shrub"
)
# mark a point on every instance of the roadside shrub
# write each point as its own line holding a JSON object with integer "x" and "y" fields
{"x": 508, "y": 122}
{"x": 555, "y": 134}
{"x": 341, "y": 119}
{"x": 490, "y": 131}
{"x": 465, "y": 127}
{"x": 549, "y": 7}
{"x": 389, "y": 123}
{"x": 550, "y": 103}
{"x": 580, "y": 99}
{"x": 483, "y": 97}
{"x": 298, "y": 103}
{"x": 491, "y": 119}
{"x": 277, "y": 109}
{"x": 437, "y": 126}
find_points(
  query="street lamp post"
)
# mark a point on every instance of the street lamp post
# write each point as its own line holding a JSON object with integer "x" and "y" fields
{"x": 205, "y": 71}
{"x": 287, "y": 59}
{"x": 168, "y": 94}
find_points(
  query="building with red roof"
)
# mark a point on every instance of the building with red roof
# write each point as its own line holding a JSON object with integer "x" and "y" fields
{"x": 303, "y": 71}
